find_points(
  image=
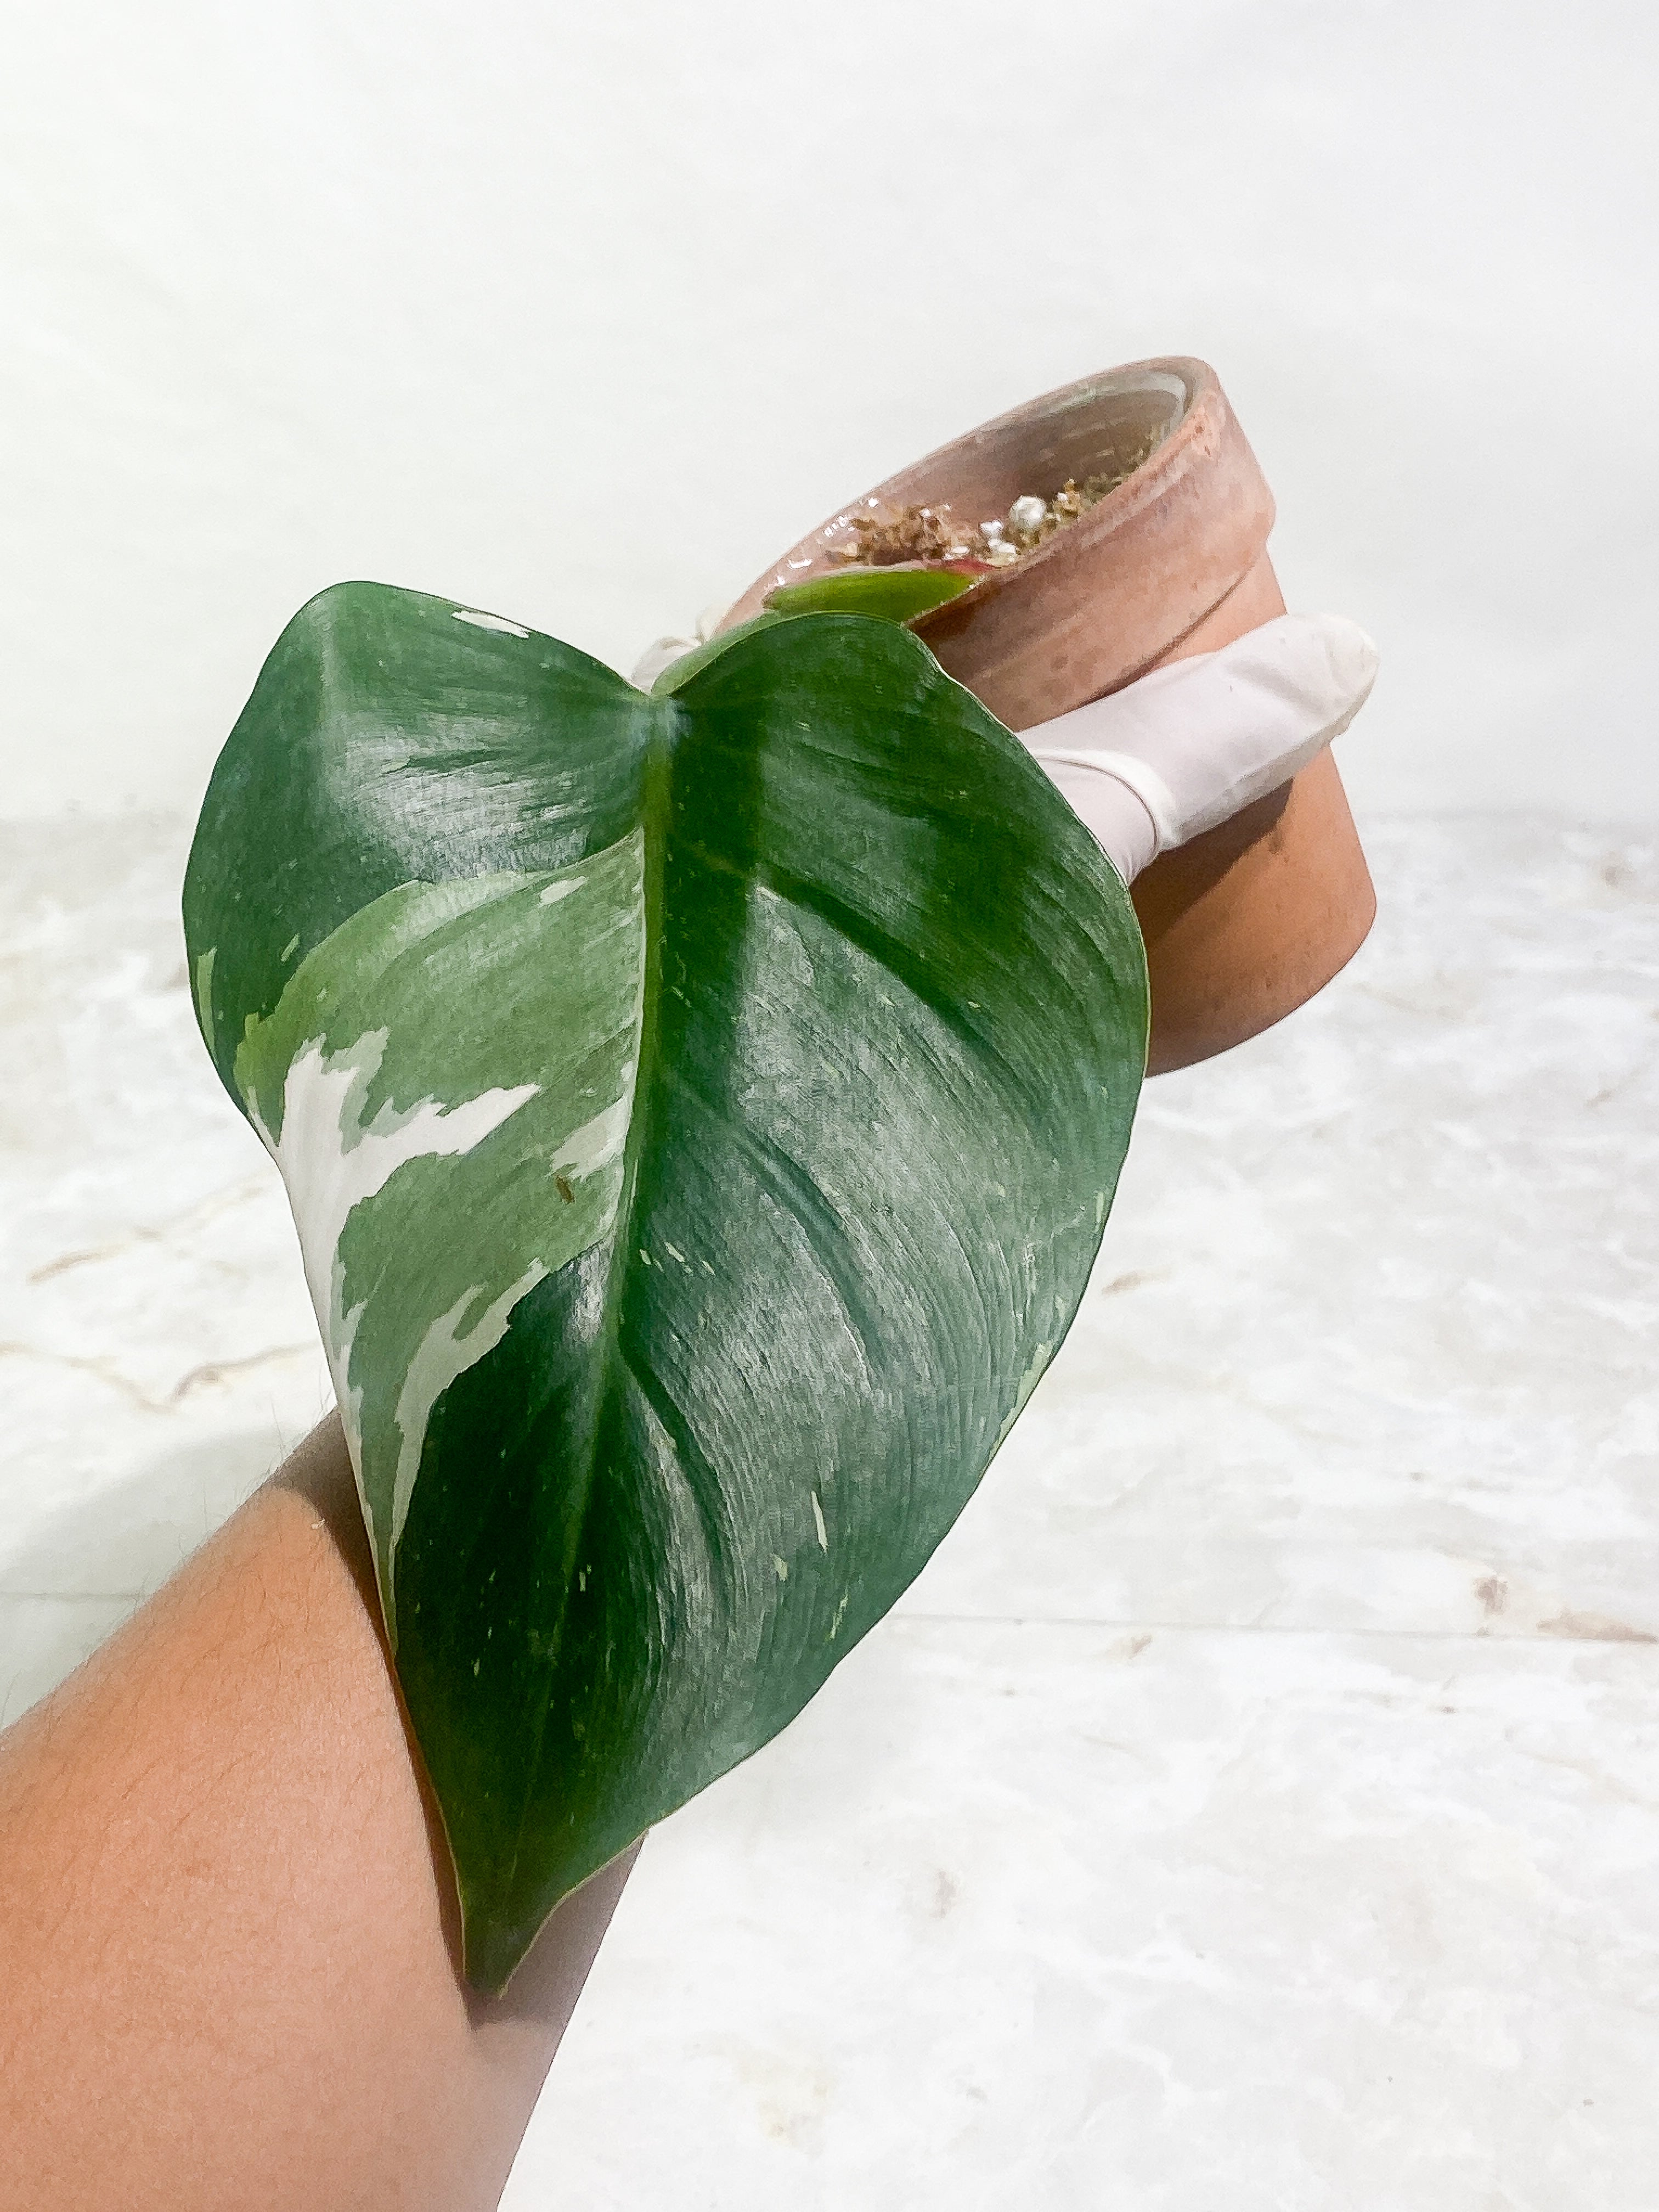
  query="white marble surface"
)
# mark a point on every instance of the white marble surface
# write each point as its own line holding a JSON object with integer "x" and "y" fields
{"x": 1256, "y": 1803}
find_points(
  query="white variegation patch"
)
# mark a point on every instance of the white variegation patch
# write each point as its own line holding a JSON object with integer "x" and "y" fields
{"x": 480, "y": 620}
{"x": 330, "y": 1161}
{"x": 359, "y": 1020}
{"x": 601, "y": 1140}
{"x": 441, "y": 1357}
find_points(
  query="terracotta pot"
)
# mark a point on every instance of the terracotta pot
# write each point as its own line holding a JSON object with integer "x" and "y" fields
{"x": 1247, "y": 921}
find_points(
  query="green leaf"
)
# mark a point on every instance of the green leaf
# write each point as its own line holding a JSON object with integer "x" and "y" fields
{"x": 893, "y": 594}
{"x": 700, "y": 1113}
{"x": 691, "y": 664}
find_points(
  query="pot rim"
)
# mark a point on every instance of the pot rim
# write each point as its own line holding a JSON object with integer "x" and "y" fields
{"x": 1193, "y": 432}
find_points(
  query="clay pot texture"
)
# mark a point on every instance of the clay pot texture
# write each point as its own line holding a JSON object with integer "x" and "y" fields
{"x": 1245, "y": 923}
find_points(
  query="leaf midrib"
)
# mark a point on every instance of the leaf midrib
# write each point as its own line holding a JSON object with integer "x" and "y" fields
{"x": 654, "y": 806}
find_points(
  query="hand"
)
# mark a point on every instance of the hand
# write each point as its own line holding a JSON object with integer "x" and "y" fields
{"x": 1186, "y": 747}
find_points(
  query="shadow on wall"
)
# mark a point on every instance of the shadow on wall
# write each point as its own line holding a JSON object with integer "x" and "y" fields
{"x": 92, "y": 1565}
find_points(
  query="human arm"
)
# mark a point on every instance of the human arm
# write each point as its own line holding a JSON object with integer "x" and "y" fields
{"x": 229, "y": 1941}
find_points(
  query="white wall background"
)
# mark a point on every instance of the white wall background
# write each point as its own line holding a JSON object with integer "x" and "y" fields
{"x": 581, "y": 312}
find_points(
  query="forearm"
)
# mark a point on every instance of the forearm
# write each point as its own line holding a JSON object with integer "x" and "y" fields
{"x": 227, "y": 1929}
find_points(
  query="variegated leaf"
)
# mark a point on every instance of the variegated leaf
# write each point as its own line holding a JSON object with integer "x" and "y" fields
{"x": 700, "y": 1113}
